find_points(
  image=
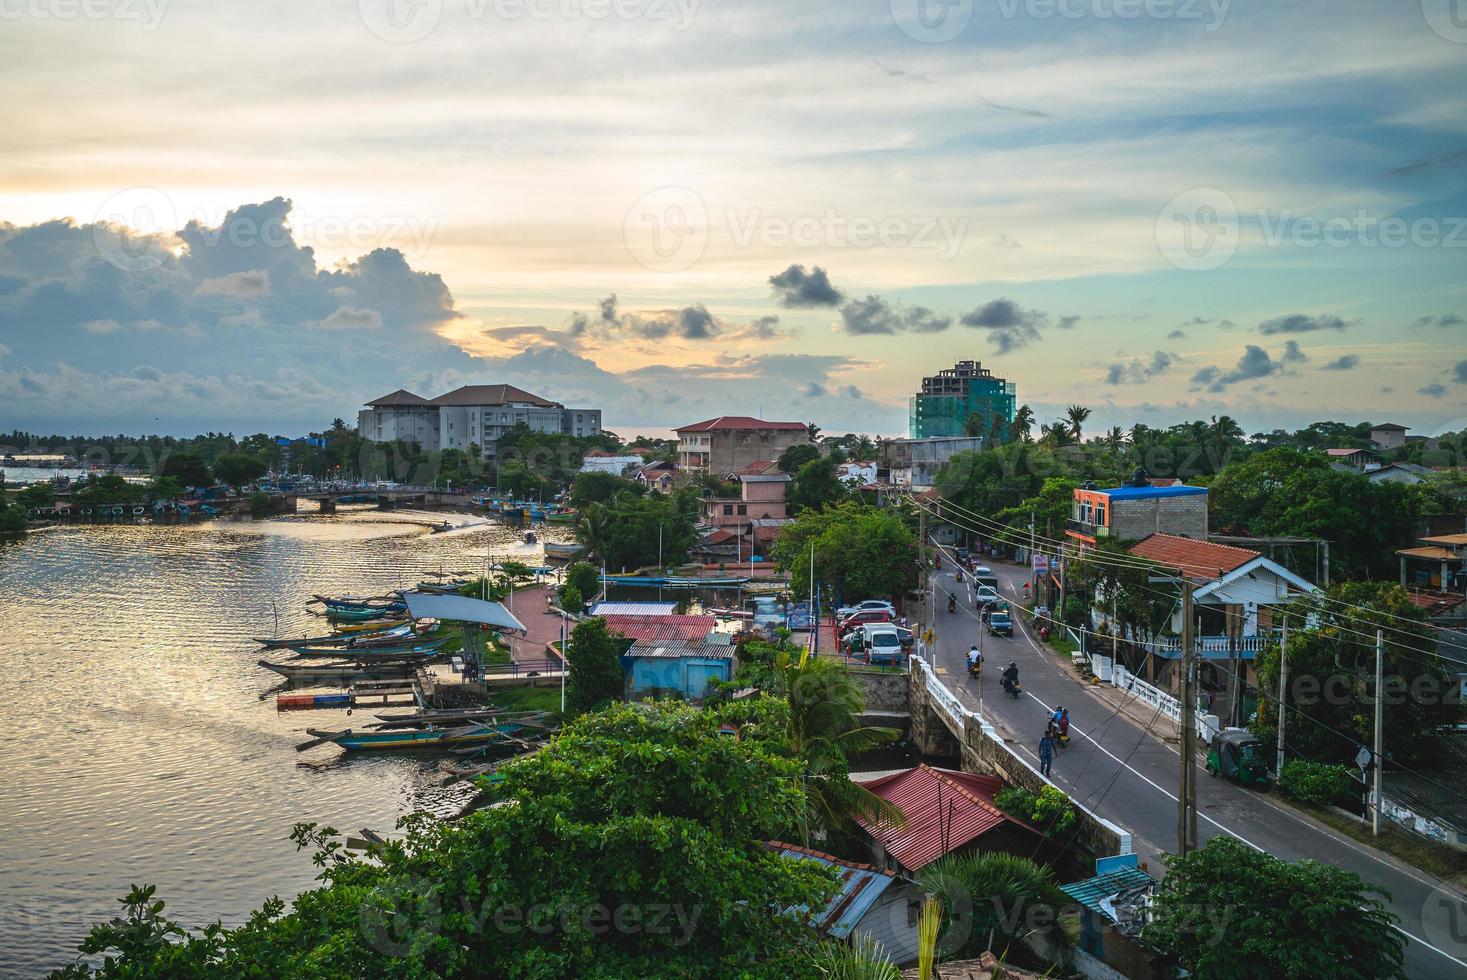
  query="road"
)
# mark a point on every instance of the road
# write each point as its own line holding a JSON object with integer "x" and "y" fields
{"x": 1128, "y": 774}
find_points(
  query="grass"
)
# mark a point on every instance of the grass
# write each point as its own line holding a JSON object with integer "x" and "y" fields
{"x": 1446, "y": 863}
{"x": 527, "y": 698}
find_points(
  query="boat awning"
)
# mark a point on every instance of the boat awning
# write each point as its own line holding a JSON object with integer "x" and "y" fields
{"x": 462, "y": 609}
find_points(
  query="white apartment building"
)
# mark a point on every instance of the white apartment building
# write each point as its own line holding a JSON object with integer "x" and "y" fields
{"x": 474, "y": 415}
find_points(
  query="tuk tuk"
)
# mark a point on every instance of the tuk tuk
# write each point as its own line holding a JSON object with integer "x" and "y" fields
{"x": 1238, "y": 754}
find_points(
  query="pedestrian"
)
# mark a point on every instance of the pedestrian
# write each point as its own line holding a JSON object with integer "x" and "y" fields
{"x": 1046, "y": 753}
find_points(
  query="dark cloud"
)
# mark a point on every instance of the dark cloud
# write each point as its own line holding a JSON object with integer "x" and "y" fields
{"x": 813, "y": 390}
{"x": 1136, "y": 371}
{"x": 1300, "y": 323}
{"x": 874, "y": 315}
{"x": 1066, "y": 322}
{"x": 1010, "y": 326}
{"x": 1176, "y": 335}
{"x": 1432, "y": 390}
{"x": 1345, "y": 362}
{"x": 1445, "y": 320}
{"x": 798, "y": 289}
{"x": 1444, "y": 162}
{"x": 1459, "y": 372}
{"x": 1253, "y": 365}
{"x": 1293, "y": 353}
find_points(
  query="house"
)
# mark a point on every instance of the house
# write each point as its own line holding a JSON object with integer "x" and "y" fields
{"x": 659, "y": 476}
{"x": 916, "y": 462}
{"x": 757, "y": 468}
{"x": 681, "y": 668}
{"x": 1359, "y": 459}
{"x": 1437, "y": 562}
{"x": 946, "y": 812}
{"x": 1408, "y": 473}
{"x": 1388, "y": 435}
{"x": 603, "y": 461}
{"x": 1133, "y": 512}
{"x": 872, "y": 904}
{"x": 760, "y": 497}
{"x": 730, "y": 442}
{"x": 473, "y": 415}
{"x": 1114, "y": 908}
{"x": 857, "y": 472}
{"x": 1234, "y": 590}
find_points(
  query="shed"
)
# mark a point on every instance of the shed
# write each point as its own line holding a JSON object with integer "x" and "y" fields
{"x": 1113, "y": 910}
{"x": 679, "y": 667}
{"x": 871, "y": 904}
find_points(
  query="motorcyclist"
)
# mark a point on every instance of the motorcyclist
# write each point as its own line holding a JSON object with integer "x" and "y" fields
{"x": 975, "y": 659}
{"x": 959, "y": 575}
{"x": 1010, "y": 676}
{"x": 952, "y": 602}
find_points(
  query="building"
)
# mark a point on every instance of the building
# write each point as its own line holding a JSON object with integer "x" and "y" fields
{"x": 602, "y": 461}
{"x": 731, "y": 442}
{"x": 916, "y": 462}
{"x": 1408, "y": 473}
{"x": 681, "y": 668}
{"x": 946, "y": 812}
{"x": 1131, "y": 513}
{"x": 873, "y": 905}
{"x": 658, "y": 476}
{"x": 761, "y": 497}
{"x": 856, "y": 471}
{"x": 950, "y": 398}
{"x": 1438, "y": 562}
{"x": 1389, "y": 435}
{"x": 1359, "y": 459}
{"x": 474, "y": 415}
{"x": 1114, "y": 909}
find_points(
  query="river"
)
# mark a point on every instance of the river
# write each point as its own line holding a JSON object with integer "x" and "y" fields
{"x": 139, "y": 748}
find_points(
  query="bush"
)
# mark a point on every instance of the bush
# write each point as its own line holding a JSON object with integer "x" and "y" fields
{"x": 1319, "y": 783}
{"x": 571, "y": 599}
{"x": 259, "y": 505}
{"x": 1050, "y": 811}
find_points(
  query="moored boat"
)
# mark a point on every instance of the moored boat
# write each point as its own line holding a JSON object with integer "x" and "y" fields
{"x": 343, "y": 671}
{"x": 416, "y": 738}
{"x": 563, "y": 552}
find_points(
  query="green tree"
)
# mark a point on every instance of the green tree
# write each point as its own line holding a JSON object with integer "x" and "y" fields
{"x": 165, "y": 488}
{"x": 991, "y": 901}
{"x": 624, "y": 532}
{"x": 13, "y": 521}
{"x": 585, "y": 577}
{"x": 815, "y": 486}
{"x": 36, "y": 495}
{"x": 571, "y": 600}
{"x": 860, "y": 551}
{"x": 239, "y": 469}
{"x": 187, "y": 467}
{"x": 796, "y": 456}
{"x": 597, "y": 487}
{"x": 594, "y": 658}
{"x": 1022, "y": 425}
{"x": 1230, "y": 911}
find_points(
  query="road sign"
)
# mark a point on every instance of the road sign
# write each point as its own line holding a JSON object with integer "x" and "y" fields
{"x": 1041, "y": 564}
{"x": 1363, "y": 757}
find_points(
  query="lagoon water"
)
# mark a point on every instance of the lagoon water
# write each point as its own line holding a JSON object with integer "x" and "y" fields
{"x": 138, "y": 748}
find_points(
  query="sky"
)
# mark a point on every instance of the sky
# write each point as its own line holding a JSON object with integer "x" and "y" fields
{"x": 256, "y": 217}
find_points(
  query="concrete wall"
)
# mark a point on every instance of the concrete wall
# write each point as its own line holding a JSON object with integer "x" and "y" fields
{"x": 733, "y": 449}
{"x": 885, "y": 691}
{"x": 1132, "y": 520}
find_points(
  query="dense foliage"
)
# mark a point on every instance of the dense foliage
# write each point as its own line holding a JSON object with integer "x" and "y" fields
{"x": 593, "y": 653}
{"x": 634, "y": 845}
{"x": 815, "y": 486}
{"x": 1319, "y": 783}
{"x": 598, "y": 488}
{"x": 994, "y": 901}
{"x": 1229, "y": 911}
{"x": 625, "y": 532}
{"x": 860, "y": 552}
{"x": 1050, "y": 809}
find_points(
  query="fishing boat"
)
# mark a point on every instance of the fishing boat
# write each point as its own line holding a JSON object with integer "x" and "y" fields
{"x": 371, "y": 653}
{"x": 415, "y": 738}
{"x": 562, "y": 516}
{"x": 388, "y": 603}
{"x": 341, "y": 638}
{"x": 563, "y": 552}
{"x": 364, "y": 615}
{"x": 374, "y": 625}
{"x": 441, "y": 528}
{"x": 353, "y": 671}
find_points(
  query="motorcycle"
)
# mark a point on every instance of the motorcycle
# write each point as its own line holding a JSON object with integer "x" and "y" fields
{"x": 975, "y": 669}
{"x": 1044, "y": 634}
{"x": 1013, "y": 688}
{"x": 952, "y": 604}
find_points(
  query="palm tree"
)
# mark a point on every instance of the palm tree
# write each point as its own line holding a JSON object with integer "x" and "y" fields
{"x": 823, "y": 730}
{"x": 1023, "y": 424}
{"x": 996, "y": 891}
{"x": 1115, "y": 439}
{"x": 1057, "y": 435}
{"x": 593, "y": 526}
{"x": 1076, "y": 416}
{"x": 813, "y": 429}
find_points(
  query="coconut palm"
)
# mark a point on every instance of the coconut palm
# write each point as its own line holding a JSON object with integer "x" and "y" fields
{"x": 1057, "y": 435}
{"x": 1076, "y": 415}
{"x": 593, "y": 526}
{"x": 1115, "y": 439}
{"x": 989, "y": 894}
{"x": 823, "y": 730}
{"x": 1023, "y": 424}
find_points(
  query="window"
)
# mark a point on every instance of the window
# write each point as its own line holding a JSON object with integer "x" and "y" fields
{"x": 743, "y": 510}
{"x": 1100, "y": 514}
{"x": 914, "y": 911}
{"x": 728, "y": 509}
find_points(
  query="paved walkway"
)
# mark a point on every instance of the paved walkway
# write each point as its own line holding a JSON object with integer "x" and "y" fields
{"x": 1124, "y": 764}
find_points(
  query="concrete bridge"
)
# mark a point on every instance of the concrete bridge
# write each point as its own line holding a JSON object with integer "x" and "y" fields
{"x": 942, "y": 726}
{"x": 398, "y": 496}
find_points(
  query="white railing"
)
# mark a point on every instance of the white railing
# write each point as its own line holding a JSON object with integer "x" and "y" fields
{"x": 946, "y": 702}
{"x": 1146, "y": 693}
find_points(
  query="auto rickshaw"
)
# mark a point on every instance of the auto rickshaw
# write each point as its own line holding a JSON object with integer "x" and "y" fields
{"x": 1238, "y": 754}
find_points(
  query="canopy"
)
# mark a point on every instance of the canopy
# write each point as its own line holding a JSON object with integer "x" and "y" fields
{"x": 461, "y": 609}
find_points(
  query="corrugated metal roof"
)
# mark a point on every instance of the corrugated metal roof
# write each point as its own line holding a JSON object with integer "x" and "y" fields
{"x": 1090, "y": 892}
{"x": 860, "y": 887}
{"x": 677, "y": 649}
{"x": 1151, "y": 492}
{"x": 462, "y": 609}
{"x": 945, "y": 809}
{"x": 661, "y": 627}
{"x": 634, "y": 609}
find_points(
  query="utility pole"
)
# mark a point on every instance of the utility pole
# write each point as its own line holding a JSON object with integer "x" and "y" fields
{"x": 1326, "y": 564}
{"x": 1379, "y": 727}
{"x": 1278, "y": 768}
{"x": 1186, "y": 793}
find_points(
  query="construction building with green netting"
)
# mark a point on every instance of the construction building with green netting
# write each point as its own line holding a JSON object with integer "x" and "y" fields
{"x": 964, "y": 400}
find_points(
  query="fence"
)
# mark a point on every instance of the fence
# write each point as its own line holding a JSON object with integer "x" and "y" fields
{"x": 1207, "y": 725}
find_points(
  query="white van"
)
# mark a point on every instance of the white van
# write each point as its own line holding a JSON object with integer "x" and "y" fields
{"x": 884, "y": 645}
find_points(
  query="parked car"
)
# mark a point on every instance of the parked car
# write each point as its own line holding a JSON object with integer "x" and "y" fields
{"x": 865, "y": 617}
{"x": 999, "y": 624}
{"x": 845, "y": 611}
{"x": 884, "y": 646}
{"x": 908, "y": 637}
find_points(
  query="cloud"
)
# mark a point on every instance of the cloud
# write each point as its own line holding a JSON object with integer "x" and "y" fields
{"x": 242, "y": 285}
{"x": 1253, "y": 365}
{"x": 874, "y": 315}
{"x": 1459, "y": 372}
{"x": 1444, "y": 162}
{"x": 1066, "y": 322}
{"x": 1300, "y": 323}
{"x": 1345, "y": 362}
{"x": 351, "y": 318}
{"x": 1176, "y": 335}
{"x": 813, "y": 390}
{"x": 1432, "y": 390}
{"x": 1010, "y": 326}
{"x": 1293, "y": 353}
{"x": 1136, "y": 371}
{"x": 1445, "y": 320}
{"x": 798, "y": 289}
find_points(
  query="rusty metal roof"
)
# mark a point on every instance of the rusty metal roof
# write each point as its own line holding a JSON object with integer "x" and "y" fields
{"x": 861, "y": 886}
{"x": 945, "y": 809}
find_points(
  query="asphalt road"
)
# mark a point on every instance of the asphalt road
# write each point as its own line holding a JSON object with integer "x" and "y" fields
{"x": 1128, "y": 773}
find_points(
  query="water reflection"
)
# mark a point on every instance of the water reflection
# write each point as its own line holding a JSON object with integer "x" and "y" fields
{"x": 139, "y": 747}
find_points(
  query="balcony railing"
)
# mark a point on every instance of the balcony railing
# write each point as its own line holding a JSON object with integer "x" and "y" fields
{"x": 1214, "y": 647}
{"x": 1086, "y": 528}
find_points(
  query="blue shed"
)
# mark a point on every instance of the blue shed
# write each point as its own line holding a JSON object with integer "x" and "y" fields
{"x": 683, "y": 668}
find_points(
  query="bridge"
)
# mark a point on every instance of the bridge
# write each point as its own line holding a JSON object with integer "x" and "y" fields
{"x": 396, "y": 496}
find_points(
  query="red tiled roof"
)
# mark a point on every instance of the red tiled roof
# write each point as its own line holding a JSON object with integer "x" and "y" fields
{"x": 1344, "y": 452}
{"x": 399, "y": 397}
{"x": 1434, "y": 603}
{"x": 491, "y": 395}
{"x": 720, "y": 536}
{"x": 661, "y": 627}
{"x": 756, "y": 468}
{"x": 738, "y": 422}
{"x": 1204, "y": 560}
{"x": 940, "y": 805}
